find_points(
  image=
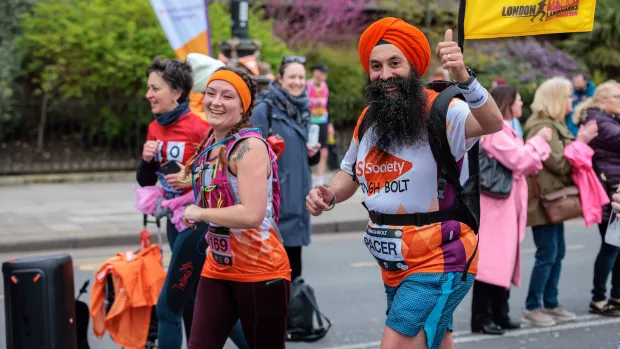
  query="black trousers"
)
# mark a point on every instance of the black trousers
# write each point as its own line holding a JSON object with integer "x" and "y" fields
{"x": 607, "y": 262}
{"x": 294, "y": 259}
{"x": 489, "y": 305}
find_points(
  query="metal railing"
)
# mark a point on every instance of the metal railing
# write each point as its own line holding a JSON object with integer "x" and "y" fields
{"x": 48, "y": 136}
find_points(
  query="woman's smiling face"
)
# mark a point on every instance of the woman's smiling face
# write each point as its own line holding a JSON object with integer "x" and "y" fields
{"x": 161, "y": 96}
{"x": 222, "y": 105}
{"x": 293, "y": 80}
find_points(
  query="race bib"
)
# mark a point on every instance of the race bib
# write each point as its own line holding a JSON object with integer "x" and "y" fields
{"x": 175, "y": 151}
{"x": 218, "y": 239}
{"x": 385, "y": 245}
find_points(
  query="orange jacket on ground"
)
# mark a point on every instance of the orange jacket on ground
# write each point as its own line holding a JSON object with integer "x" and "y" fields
{"x": 138, "y": 279}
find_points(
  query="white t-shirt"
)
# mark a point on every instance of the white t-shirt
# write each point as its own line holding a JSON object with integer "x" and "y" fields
{"x": 406, "y": 182}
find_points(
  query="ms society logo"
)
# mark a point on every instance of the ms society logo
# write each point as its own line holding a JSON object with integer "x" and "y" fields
{"x": 381, "y": 171}
{"x": 543, "y": 11}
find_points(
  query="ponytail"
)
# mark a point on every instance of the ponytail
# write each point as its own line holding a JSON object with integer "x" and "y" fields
{"x": 190, "y": 162}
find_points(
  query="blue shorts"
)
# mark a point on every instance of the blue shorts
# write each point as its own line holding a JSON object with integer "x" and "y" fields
{"x": 426, "y": 301}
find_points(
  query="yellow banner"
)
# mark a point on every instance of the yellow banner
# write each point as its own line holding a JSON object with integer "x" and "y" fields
{"x": 486, "y": 19}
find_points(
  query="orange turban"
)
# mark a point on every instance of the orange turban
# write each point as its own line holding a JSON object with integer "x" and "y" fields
{"x": 407, "y": 38}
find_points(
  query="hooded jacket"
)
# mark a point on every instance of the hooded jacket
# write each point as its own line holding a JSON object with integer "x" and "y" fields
{"x": 557, "y": 171}
{"x": 606, "y": 159}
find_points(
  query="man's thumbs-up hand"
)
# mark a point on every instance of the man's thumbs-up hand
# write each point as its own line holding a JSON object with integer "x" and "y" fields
{"x": 449, "y": 52}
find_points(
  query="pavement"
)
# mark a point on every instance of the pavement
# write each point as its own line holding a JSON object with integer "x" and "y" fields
{"x": 347, "y": 284}
{"x": 95, "y": 210}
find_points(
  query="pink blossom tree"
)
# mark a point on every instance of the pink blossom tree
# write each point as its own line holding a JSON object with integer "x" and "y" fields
{"x": 306, "y": 22}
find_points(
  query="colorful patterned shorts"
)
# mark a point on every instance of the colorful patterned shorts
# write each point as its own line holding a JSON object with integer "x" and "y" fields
{"x": 426, "y": 301}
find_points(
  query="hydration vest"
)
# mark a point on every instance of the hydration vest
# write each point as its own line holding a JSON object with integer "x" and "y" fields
{"x": 221, "y": 194}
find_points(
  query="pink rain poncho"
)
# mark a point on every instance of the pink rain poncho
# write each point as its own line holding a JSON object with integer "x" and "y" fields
{"x": 151, "y": 198}
{"x": 591, "y": 192}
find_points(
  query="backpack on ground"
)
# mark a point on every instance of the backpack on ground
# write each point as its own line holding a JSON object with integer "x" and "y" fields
{"x": 302, "y": 310}
{"x": 466, "y": 206}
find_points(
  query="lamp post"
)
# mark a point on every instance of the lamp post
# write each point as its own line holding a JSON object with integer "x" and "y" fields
{"x": 239, "y": 50}
{"x": 239, "y": 10}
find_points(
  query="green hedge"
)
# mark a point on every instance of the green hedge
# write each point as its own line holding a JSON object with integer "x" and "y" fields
{"x": 100, "y": 50}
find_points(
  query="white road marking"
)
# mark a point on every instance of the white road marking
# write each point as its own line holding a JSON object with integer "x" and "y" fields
{"x": 537, "y": 330}
{"x": 367, "y": 345}
{"x": 363, "y": 264}
{"x": 582, "y": 321}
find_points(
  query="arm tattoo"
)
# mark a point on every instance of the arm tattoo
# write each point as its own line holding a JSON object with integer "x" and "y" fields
{"x": 243, "y": 149}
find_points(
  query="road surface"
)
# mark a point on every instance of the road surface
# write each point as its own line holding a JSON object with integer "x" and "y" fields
{"x": 348, "y": 287}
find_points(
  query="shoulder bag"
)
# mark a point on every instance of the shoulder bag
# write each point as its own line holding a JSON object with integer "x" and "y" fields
{"x": 560, "y": 205}
{"x": 495, "y": 178}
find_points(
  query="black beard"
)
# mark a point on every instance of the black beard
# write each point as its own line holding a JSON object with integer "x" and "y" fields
{"x": 400, "y": 117}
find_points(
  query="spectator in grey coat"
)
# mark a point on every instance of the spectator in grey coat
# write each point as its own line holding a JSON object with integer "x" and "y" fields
{"x": 286, "y": 103}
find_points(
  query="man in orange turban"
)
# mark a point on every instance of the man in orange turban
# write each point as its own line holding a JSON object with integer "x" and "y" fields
{"x": 427, "y": 256}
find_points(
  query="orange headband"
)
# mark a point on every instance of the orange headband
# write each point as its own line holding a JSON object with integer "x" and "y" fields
{"x": 237, "y": 82}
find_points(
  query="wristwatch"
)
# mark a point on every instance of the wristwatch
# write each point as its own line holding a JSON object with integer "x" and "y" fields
{"x": 472, "y": 77}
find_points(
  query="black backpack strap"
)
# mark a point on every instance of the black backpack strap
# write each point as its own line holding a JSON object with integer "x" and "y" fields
{"x": 268, "y": 114}
{"x": 363, "y": 128}
{"x": 269, "y": 119}
{"x": 438, "y": 138}
{"x": 449, "y": 170}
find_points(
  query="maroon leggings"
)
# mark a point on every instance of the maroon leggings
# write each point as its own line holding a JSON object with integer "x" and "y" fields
{"x": 262, "y": 308}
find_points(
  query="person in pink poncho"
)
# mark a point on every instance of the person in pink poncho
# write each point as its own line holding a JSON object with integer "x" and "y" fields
{"x": 503, "y": 220}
